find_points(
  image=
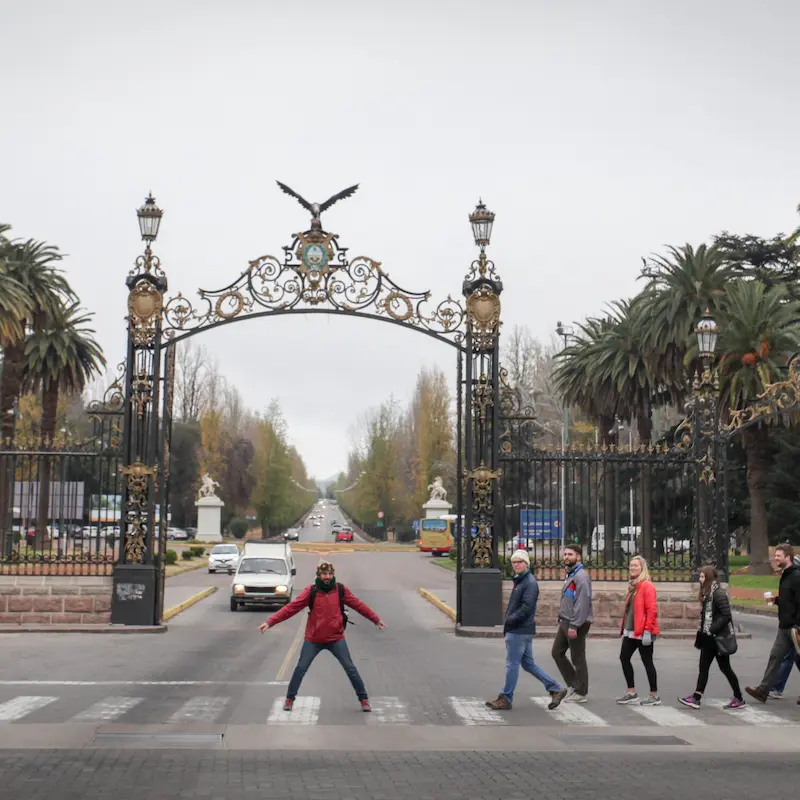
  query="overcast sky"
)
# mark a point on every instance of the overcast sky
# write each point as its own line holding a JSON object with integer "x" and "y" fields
{"x": 597, "y": 130}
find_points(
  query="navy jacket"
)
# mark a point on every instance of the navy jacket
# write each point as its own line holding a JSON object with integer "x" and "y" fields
{"x": 521, "y": 608}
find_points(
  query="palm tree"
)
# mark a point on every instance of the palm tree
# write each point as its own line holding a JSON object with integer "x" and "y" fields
{"x": 60, "y": 358}
{"x": 760, "y": 329}
{"x": 681, "y": 288}
{"x": 15, "y": 305}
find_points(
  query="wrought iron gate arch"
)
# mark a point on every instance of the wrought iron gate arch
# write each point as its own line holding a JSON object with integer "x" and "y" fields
{"x": 314, "y": 276}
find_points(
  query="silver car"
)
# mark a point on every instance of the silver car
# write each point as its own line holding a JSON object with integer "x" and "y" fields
{"x": 223, "y": 557}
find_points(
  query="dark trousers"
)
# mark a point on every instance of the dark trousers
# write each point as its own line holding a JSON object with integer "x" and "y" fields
{"x": 576, "y": 672}
{"x": 340, "y": 651}
{"x": 708, "y": 652}
{"x": 782, "y": 645}
{"x": 629, "y": 647}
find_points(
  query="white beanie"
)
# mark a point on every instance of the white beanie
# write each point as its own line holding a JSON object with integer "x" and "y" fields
{"x": 521, "y": 555}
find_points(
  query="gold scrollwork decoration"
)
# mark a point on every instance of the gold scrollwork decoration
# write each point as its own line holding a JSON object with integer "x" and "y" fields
{"x": 145, "y": 304}
{"x": 483, "y": 317}
{"x": 482, "y": 546}
{"x": 483, "y": 397}
{"x": 395, "y": 299}
{"x": 482, "y": 478}
{"x": 229, "y": 305}
{"x": 781, "y": 397}
{"x": 138, "y": 475}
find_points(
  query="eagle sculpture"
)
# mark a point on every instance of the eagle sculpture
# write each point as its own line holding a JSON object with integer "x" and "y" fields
{"x": 317, "y": 208}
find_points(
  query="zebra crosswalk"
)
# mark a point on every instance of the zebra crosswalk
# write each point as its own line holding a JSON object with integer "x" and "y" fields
{"x": 387, "y": 710}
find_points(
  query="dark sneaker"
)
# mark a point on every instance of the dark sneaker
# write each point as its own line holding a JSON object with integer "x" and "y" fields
{"x": 628, "y": 698}
{"x": 556, "y": 698}
{"x": 287, "y": 704}
{"x": 365, "y": 706}
{"x": 651, "y": 700}
{"x": 501, "y": 704}
{"x": 735, "y": 703}
{"x": 757, "y": 693}
{"x": 690, "y": 701}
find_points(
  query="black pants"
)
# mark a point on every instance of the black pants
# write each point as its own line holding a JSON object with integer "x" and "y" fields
{"x": 707, "y": 655}
{"x": 575, "y": 672}
{"x": 629, "y": 647}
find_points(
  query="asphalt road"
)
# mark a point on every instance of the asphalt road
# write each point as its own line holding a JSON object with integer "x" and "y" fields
{"x": 323, "y": 532}
{"x": 199, "y": 705}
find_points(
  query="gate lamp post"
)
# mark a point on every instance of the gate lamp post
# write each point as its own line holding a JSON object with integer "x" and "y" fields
{"x": 149, "y": 215}
{"x": 482, "y": 221}
{"x": 709, "y": 547}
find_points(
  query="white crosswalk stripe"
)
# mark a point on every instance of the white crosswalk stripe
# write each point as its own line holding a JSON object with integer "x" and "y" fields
{"x": 108, "y": 709}
{"x": 667, "y": 717}
{"x": 200, "y": 709}
{"x": 304, "y": 712}
{"x": 749, "y": 714}
{"x": 388, "y": 711}
{"x": 473, "y": 711}
{"x": 20, "y": 707}
{"x": 572, "y": 713}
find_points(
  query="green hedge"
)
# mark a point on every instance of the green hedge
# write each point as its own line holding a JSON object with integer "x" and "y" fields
{"x": 238, "y": 527}
{"x": 170, "y": 557}
{"x": 187, "y": 555}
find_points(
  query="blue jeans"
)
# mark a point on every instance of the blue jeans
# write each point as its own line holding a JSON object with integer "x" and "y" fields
{"x": 786, "y": 670}
{"x": 340, "y": 651}
{"x": 519, "y": 653}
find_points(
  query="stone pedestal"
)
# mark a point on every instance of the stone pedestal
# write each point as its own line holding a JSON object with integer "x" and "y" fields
{"x": 435, "y": 508}
{"x": 209, "y": 519}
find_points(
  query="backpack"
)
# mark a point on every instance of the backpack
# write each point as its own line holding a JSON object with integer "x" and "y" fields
{"x": 340, "y": 587}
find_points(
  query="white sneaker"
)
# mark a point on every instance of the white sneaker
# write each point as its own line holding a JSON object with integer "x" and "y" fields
{"x": 775, "y": 694}
{"x": 576, "y": 698}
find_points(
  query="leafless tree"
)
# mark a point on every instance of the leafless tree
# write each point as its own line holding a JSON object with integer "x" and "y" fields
{"x": 191, "y": 385}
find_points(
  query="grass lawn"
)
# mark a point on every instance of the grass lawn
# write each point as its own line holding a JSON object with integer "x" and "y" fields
{"x": 445, "y": 563}
{"x": 763, "y": 582}
{"x": 753, "y": 602}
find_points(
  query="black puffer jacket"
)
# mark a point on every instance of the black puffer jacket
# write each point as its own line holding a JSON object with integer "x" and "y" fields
{"x": 788, "y": 600}
{"x": 721, "y": 617}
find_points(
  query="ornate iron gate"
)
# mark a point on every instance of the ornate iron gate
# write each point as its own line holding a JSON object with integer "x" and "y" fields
{"x": 315, "y": 276}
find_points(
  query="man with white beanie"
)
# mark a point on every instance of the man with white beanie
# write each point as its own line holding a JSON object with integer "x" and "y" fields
{"x": 519, "y": 629}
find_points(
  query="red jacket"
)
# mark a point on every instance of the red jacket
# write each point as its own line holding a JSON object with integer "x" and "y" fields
{"x": 325, "y": 623}
{"x": 645, "y": 610}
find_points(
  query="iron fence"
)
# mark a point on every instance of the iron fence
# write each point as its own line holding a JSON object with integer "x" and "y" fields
{"x": 613, "y": 503}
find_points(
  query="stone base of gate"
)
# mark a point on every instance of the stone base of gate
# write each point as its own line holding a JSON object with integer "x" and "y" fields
{"x": 55, "y": 600}
{"x": 678, "y": 607}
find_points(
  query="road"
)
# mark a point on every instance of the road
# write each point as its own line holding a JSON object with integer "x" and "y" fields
{"x": 199, "y": 705}
{"x": 323, "y": 532}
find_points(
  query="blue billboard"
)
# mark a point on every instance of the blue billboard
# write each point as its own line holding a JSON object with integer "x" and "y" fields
{"x": 540, "y": 523}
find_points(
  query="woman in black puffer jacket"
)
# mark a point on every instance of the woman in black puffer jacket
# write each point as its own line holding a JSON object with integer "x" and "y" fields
{"x": 715, "y": 617}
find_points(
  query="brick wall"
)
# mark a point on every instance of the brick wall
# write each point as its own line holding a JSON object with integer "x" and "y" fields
{"x": 55, "y": 600}
{"x": 678, "y": 607}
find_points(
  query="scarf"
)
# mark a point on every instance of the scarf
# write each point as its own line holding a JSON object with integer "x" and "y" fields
{"x": 708, "y": 609}
{"x": 321, "y": 587}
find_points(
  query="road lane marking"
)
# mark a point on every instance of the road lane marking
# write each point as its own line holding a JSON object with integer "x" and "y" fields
{"x": 473, "y": 711}
{"x": 667, "y": 717}
{"x": 144, "y": 683}
{"x": 283, "y": 670}
{"x": 200, "y": 709}
{"x": 304, "y": 712}
{"x": 749, "y": 714}
{"x": 572, "y": 713}
{"x": 388, "y": 711}
{"x": 107, "y": 709}
{"x": 20, "y": 707}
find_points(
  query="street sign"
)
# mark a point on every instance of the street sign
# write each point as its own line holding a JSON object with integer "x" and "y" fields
{"x": 380, "y": 515}
{"x": 415, "y": 524}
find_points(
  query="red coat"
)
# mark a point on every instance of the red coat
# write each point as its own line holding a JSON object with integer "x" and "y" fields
{"x": 645, "y": 610}
{"x": 325, "y": 623}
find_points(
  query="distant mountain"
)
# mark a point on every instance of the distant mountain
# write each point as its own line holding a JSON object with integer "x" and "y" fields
{"x": 323, "y": 483}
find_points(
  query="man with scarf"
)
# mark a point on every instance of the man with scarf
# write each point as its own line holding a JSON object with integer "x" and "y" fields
{"x": 325, "y": 600}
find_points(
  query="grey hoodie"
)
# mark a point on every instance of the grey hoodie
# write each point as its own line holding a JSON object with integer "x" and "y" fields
{"x": 576, "y": 598}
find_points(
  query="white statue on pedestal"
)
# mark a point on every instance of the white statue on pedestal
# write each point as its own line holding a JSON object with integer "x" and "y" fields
{"x": 209, "y": 486}
{"x": 437, "y": 490}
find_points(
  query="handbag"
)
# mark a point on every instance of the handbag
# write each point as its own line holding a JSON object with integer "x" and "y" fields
{"x": 726, "y": 641}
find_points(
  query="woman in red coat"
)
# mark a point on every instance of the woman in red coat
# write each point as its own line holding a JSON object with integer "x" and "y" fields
{"x": 638, "y": 630}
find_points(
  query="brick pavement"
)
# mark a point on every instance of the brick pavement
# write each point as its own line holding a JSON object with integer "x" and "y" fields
{"x": 276, "y": 775}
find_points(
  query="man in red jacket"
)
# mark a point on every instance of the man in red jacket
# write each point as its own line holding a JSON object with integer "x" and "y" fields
{"x": 325, "y": 600}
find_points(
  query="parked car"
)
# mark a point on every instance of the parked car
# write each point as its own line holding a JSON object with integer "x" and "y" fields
{"x": 176, "y": 533}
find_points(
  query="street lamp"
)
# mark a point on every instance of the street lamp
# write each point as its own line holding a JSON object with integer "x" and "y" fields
{"x": 149, "y": 219}
{"x": 709, "y": 549}
{"x": 564, "y": 331}
{"x": 482, "y": 221}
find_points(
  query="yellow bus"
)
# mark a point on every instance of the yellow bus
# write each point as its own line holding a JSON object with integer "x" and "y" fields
{"x": 435, "y": 536}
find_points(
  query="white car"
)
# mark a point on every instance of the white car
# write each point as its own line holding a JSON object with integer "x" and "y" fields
{"x": 265, "y": 576}
{"x": 223, "y": 557}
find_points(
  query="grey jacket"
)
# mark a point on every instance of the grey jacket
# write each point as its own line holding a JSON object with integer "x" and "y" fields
{"x": 576, "y": 598}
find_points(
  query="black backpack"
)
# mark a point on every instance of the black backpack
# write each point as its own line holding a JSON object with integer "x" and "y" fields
{"x": 340, "y": 587}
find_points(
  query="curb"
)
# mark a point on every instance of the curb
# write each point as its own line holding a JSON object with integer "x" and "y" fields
{"x": 597, "y": 633}
{"x": 761, "y": 612}
{"x": 187, "y": 568}
{"x": 195, "y": 598}
{"x": 440, "y": 604}
{"x": 83, "y": 628}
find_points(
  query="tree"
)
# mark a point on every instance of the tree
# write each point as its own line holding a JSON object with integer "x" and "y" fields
{"x": 760, "y": 328}
{"x": 59, "y": 358}
{"x": 191, "y": 390}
